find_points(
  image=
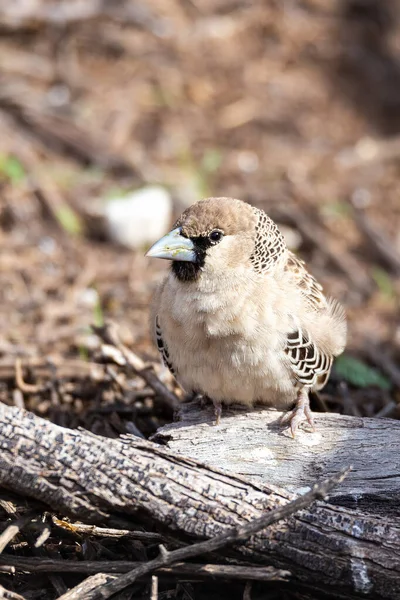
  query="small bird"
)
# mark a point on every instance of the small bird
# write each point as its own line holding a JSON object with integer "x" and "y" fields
{"x": 238, "y": 318}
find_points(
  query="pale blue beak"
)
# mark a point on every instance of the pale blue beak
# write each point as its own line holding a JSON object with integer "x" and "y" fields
{"x": 173, "y": 246}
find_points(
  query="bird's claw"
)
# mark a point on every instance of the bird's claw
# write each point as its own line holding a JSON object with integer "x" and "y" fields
{"x": 218, "y": 412}
{"x": 300, "y": 413}
{"x": 204, "y": 399}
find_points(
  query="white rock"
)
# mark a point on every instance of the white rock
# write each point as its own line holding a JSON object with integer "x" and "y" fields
{"x": 88, "y": 297}
{"x": 248, "y": 162}
{"x": 140, "y": 218}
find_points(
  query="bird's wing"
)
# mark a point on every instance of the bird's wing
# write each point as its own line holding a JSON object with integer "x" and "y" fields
{"x": 162, "y": 347}
{"x": 310, "y": 365}
{"x": 311, "y": 360}
{"x": 307, "y": 284}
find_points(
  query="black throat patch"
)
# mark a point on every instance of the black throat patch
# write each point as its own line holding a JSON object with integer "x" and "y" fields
{"x": 185, "y": 271}
{"x": 191, "y": 271}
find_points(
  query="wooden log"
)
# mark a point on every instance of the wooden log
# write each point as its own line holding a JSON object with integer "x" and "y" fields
{"x": 342, "y": 552}
{"x": 255, "y": 445}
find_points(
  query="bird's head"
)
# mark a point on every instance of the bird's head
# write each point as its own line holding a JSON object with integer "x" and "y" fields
{"x": 217, "y": 234}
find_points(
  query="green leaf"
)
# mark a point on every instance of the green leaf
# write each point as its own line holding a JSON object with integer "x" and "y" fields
{"x": 69, "y": 220}
{"x": 359, "y": 374}
{"x": 11, "y": 168}
{"x": 336, "y": 209}
{"x": 98, "y": 315}
{"x": 83, "y": 352}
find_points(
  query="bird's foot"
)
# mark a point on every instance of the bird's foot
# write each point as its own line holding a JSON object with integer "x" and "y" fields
{"x": 217, "y": 411}
{"x": 300, "y": 413}
{"x": 204, "y": 400}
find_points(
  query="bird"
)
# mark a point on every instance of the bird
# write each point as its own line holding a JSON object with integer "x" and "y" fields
{"x": 238, "y": 319}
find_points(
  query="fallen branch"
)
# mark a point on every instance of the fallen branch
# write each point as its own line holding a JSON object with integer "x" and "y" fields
{"x": 330, "y": 548}
{"x": 236, "y": 534}
{"x": 253, "y": 443}
{"x": 85, "y": 587}
{"x": 20, "y": 564}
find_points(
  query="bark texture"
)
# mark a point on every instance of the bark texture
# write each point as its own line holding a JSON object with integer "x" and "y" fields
{"x": 327, "y": 547}
{"x": 255, "y": 445}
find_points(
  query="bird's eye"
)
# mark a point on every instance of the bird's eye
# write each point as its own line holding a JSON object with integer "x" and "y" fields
{"x": 215, "y": 236}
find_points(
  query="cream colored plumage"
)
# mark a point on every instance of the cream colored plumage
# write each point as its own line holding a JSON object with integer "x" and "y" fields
{"x": 238, "y": 318}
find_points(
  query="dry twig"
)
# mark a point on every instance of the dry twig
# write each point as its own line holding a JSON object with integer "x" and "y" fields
{"x": 14, "y": 564}
{"x": 109, "y": 336}
{"x": 106, "y": 532}
{"x": 234, "y": 535}
{"x": 27, "y": 388}
{"x": 7, "y": 595}
{"x": 87, "y": 586}
{"x": 154, "y": 587}
{"x": 12, "y": 530}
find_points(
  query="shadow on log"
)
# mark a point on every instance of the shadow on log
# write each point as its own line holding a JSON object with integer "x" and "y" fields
{"x": 255, "y": 445}
{"x": 337, "y": 550}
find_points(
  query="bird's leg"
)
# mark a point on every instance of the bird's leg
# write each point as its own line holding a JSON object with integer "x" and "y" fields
{"x": 203, "y": 400}
{"x": 217, "y": 411}
{"x": 217, "y": 406}
{"x": 301, "y": 412}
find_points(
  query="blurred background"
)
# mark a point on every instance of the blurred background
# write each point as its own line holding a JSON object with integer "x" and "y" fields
{"x": 116, "y": 115}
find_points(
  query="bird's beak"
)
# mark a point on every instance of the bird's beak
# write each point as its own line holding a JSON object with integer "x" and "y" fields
{"x": 173, "y": 246}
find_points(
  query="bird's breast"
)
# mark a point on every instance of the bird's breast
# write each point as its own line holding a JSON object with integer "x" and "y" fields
{"x": 212, "y": 315}
{"x": 226, "y": 345}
